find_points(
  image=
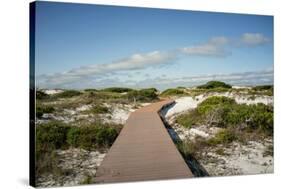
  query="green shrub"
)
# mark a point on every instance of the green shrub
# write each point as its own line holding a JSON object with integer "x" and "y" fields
{"x": 263, "y": 87}
{"x": 225, "y": 112}
{"x": 217, "y": 90}
{"x": 73, "y": 136}
{"x": 82, "y": 137}
{"x": 262, "y": 90}
{"x": 56, "y": 135}
{"x": 189, "y": 119}
{"x": 51, "y": 135}
{"x": 191, "y": 148}
{"x": 214, "y": 84}
{"x": 88, "y": 137}
{"x": 48, "y": 163}
{"x": 90, "y": 90}
{"x": 106, "y": 136}
{"x": 214, "y": 102}
{"x": 152, "y": 90}
{"x": 180, "y": 87}
{"x": 117, "y": 89}
{"x": 148, "y": 94}
{"x": 40, "y": 95}
{"x": 261, "y": 117}
{"x": 98, "y": 109}
{"x": 41, "y": 109}
{"x": 186, "y": 148}
{"x": 143, "y": 95}
{"x": 67, "y": 94}
{"x": 173, "y": 92}
{"x": 103, "y": 95}
{"x": 239, "y": 114}
{"x": 223, "y": 137}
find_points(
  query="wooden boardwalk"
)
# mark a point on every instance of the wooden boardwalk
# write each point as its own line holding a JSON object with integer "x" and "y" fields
{"x": 143, "y": 150}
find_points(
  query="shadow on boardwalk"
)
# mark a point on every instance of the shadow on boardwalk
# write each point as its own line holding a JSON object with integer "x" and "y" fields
{"x": 196, "y": 168}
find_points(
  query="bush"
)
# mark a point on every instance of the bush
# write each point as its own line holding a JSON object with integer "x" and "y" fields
{"x": 103, "y": 95}
{"x": 263, "y": 90}
{"x": 261, "y": 117}
{"x": 191, "y": 148}
{"x": 51, "y": 135}
{"x": 89, "y": 137}
{"x": 225, "y": 112}
{"x": 48, "y": 163}
{"x": 143, "y": 95}
{"x": 238, "y": 114}
{"x": 225, "y": 136}
{"x": 212, "y": 103}
{"x": 214, "y": 84}
{"x": 73, "y": 136}
{"x": 173, "y": 92}
{"x": 41, "y": 109}
{"x": 98, "y": 109}
{"x": 106, "y": 136}
{"x": 188, "y": 120}
{"x": 67, "y": 94}
{"x": 180, "y": 87}
{"x": 148, "y": 94}
{"x": 263, "y": 87}
{"x": 150, "y": 90}
{"x": 117, "y": 89}
{"x": 90, "y": 90}
{"x": 57, "y": 135}
{"x": 40, "y": 95}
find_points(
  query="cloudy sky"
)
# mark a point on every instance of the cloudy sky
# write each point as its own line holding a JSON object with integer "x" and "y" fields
{"x": 88, "y": 46}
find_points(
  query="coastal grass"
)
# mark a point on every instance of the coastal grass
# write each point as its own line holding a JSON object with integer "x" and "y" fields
{"x": 224, "y": 112}
{"x": 56, "y": 135}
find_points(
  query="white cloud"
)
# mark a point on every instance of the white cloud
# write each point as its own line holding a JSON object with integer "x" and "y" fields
{"x": 99, "y": 74}
{"x": 253, "y": 39}
{"x": 242, "y": 78}
{"x": 219, "y": 40}
{"x": 214, "y": 47}
{"x": 134, "y": 62}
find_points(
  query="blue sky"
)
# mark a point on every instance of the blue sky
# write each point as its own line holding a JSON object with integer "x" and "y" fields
{"x": 90, "y": 46}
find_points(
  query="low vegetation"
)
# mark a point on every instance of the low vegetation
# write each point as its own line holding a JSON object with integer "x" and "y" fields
{"x": 89, "y": 131}
{"x": 56, "y": 135}
{"x": 238, "y": 122}
{"x": 143, "y": 95}
{"x": 173, "y": 92}
{"x": 117, "y": 90}
{"x": 67, "y": 94}
{"x": 42, "y": 109}
{"x": 97, "y": 109}
{"x": 225, "y": 136}
{"x": 263, "y": 90}
{"x": 190, "y": 119}
{"x": 91, "y": 137}
{"x": 90, "y": 90}
{"x": 40, "y": 95}
{"x": 226, "y": 113}
{"x": 214, "y": 84}
{"x": 263, "y": 87}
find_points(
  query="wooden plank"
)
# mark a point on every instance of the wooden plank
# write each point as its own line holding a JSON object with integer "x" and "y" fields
{"x": 143, "y": 150}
